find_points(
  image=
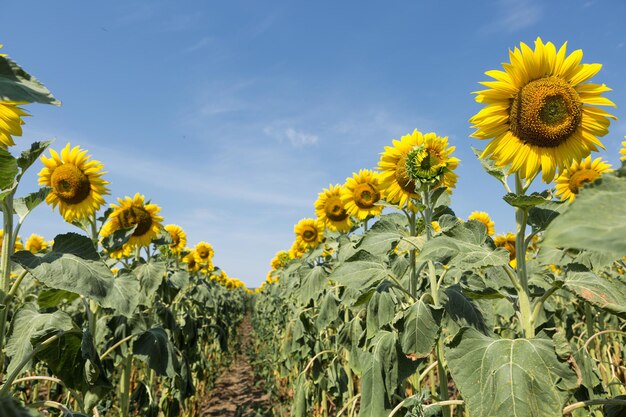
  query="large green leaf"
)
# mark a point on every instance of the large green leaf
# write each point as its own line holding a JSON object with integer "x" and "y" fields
{"x": 489, "y": 165}
{"x": 154, "y": 347}
{"x": 504, "y": 377}
{"x": 9, "y": 407}
{"x": 421, "y": 329}
{"x": 150, "y": 276}
{"x": 382, "y": 236}
{"x": 361, "y": 271}
{"x": 603, "y": 293}
{"x": 17, "y": 85}
{"x": 464, "y": 255}
{"x": 380, "y": 310}
{"x": 74, "y": 265}
{"x": 28, "y": 323}
{"x": 30, "y": 156}
{"x": 380, "y": 376}
{"x": 462, "y": 311}
{"x": 595, "y": 219}
{"x": 312, "y": 282}
{"x": 8, "y": 169}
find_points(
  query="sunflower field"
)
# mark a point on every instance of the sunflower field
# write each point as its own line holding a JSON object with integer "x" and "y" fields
{"x": 387, "y": 303}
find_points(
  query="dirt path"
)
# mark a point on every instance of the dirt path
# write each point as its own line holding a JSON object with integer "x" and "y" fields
{"x": 235, "y": 394}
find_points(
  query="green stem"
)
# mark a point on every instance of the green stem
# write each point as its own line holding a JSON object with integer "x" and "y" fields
{"x": 125, "y": 386}
{"x": 412, "y": 256}
{"x": 5, "y": 269}
{"x": 521, "y": 218}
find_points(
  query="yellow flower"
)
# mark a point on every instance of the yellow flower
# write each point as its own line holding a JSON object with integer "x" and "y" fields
{"x": 179, "y": 237}
{"x": 436, "y": 226}
{"x": 330, "y": 209}
{"x": 10, "y": 122}
{"x": 36, "y": 243}
{"x": 204, "y": 253}
{"x": 484, "y": 218}
{"x": 297, "y": 250}
{"x": 18, "y": 242}
{"x": 190, "y": 260}
{"x": 541, "y": 112}
{"x": 623, "y": 151}
{"x": 572, "y": 179}
{"x": 507, "y": 242}
{"x": 114, "y": 271}
{"x": 361, "y": 193}
{"x": 280, "y": 260}
{"x": 309, "y": 233}
{"x": 131, "y": 212}
{"x": 77, "y": 186}
{"x": 428, "y": 154}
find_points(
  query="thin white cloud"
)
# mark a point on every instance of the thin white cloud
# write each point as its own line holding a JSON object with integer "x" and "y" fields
{"x": 297, "y": 138}
{"x": 200, "y": 44}
{"x": 514, "y": 15}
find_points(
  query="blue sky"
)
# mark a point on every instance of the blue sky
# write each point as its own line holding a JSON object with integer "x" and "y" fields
{"x": 232, "y": 116}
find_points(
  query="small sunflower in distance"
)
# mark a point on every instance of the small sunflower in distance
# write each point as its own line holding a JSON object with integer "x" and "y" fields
{"x": 204, "y": 252}
{"x": 179, "y": 237}
{"x": 330, "y": 209}
{"x": 190, "y": 260}
{"x": 622, "y": 151}
{"x": 309, "y": 233}
{"x": 10, "y": 122}
{"x": 572, "y": 179}
{"x": 540, "y": 111}
{"x": 484, "y": 218}
{"x": 18, "y": 242}
{"x": 280, "y": 260}
{"x": 361, "y": 193}
{"x": 36, "y": 243}
{"x": 131, "y": 212}
{"x": 507, "y": 242}
{"x": 77, "y": 186}
{"x": 431, "y": 162}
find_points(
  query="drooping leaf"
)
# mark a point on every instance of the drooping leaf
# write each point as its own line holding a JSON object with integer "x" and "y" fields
{"x": 28, "y": 323}
{"x": 489, "y": 165}
{"x": 19, "y": 86}
{"x": 150, "y": 275}
{"x": 312, "y": 282}
{"x": 505, "y": 377}
{"x": 117, "y": 239}
{"x": 382, "y": 237}
{"x": 463, "y": 311}
{"x": 577, "y": 227}
{"x": 540, "y": 216}
{"x": 421, "y": 329}
{"x": 615, "y": 410}
{"x": 380, "y": 376}
{"x": 464, "y": 255}
{"x": 52, "y": 298}
{"x": 180, "y": 279}
{"x": 154, "y": 347}
{"x": 525, "y": 201}
{"x": 74, "y": 265}
{"x": 8, "y": 169}
{"x": 24, "y": 205}
{"x": 603, "y": 293}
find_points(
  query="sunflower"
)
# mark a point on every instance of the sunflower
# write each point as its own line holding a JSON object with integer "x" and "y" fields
{"x": 190, "y": 260}
{"x": 76, "y": 184}
{"x": 297, "y": 250}
{"x": 36, "y": 243}
{"x": 131, "y": 212}
{"x": 361, "y": 193}
{"x": 330, "y": 209}
{"x": 623, "y": 151}
{"x": 204, "y": 252}
{"x": 540, "y": 111}
{"x": 572, "y": 179}
{"x": 436, "y": 226}
{"x": 10, "y": 122}
{"x": 507, "y": 242}
{"x": 309, "y": 233}
{"x": 429, "y": 156}
{"x": 280, "y": 260}
{"x": 484, "y": 218}
{"x": 179, "y": 237}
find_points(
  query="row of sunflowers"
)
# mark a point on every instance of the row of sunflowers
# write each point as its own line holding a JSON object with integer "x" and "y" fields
{"x": 388, "y": 304}
{"x": 120, "y": 318}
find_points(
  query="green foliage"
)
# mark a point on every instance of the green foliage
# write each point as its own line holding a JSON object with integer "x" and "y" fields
{"x": 498, "y": 377}
{"x": 19, "y": 86}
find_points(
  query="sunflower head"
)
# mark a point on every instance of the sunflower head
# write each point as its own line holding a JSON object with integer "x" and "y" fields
{"x": 75, "y": 179}
{"x": 179, "y": 237}
{"x": 190, "y": 260}
{"x": 622, "y": 151}
{"x": 484, "y": 218}
{"x": 330, "y": 209}
{"x": 36, "y": 243}
{"x": 280, "y": 260}
{"x": 133, "y": 212}
{"x": 507, "y": 242}
{"x": 10, "y": 122}
{"x": 361, "y": 193}
{"x": 309, "y": 233}
{"x": 572, "y": 179}
{"x": 18, "y": 242}
{"x": 204, "y": 252}
{"x": 541, "y": 111}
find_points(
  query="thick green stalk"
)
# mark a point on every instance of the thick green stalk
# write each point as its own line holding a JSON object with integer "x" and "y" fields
{"x": 412, "y": 256}
{"x": 5, "y": 269}
{"x": 521, "y": 218}
{"x": 125, "y": 386}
